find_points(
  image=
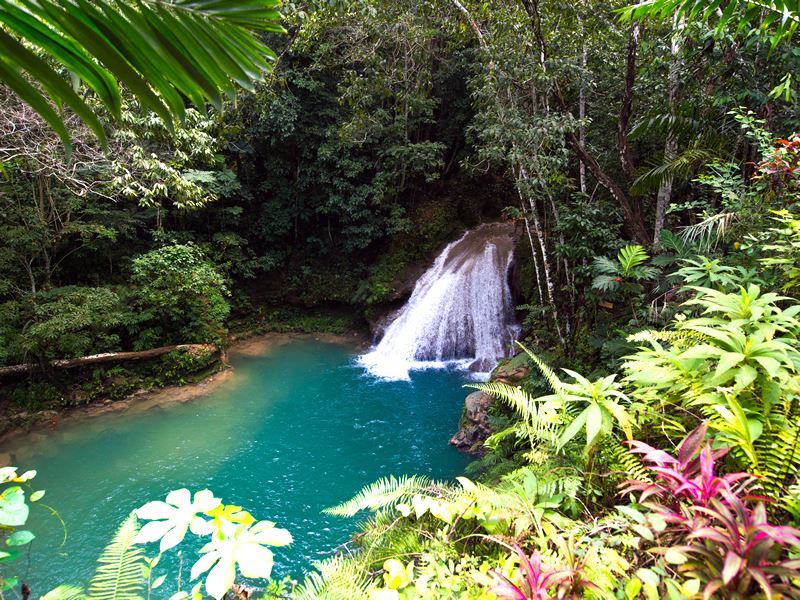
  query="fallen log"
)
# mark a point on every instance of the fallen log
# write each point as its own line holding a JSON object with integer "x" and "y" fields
{"x": 71, "y": 363}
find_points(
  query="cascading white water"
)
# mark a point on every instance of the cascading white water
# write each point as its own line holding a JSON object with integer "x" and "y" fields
{"x": 460, "y": 310}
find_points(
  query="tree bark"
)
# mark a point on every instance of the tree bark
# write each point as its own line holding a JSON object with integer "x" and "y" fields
{"x": 582, "y": 117}
{"x": 523, "y": 175}
{"x": 671, "y": 144}
{"x": 472, "y": 23}
{"x": 631, "y": 213}
{"x": 71, "y": 363}
{"x": 626, "y": 109}
{"x": 533, "y": 251}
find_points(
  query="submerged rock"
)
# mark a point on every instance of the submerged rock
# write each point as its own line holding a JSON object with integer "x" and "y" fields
{"x": 473, "y": 429}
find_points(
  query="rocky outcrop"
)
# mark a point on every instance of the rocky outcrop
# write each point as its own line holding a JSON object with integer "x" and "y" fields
{"x": 511, "y": 373}
{"x": 473, "y": 429}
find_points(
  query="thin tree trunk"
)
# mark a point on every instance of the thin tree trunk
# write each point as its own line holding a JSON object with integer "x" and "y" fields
{"x": 626, "y": 109}
{"x": 472, "y": 23}
{"x": 567, "y": 271}
{"x": 671, "y": 144}
{"x": 523, "y": 174}
{"x": 582, "y": 117}
{"x": 631, "y": 214}
{"x": 533, "y": 250}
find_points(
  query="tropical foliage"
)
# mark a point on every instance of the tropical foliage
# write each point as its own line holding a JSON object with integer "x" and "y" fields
{"x": 648, "y": 443}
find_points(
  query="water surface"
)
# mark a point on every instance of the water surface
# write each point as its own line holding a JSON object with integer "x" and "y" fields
{"x": 292, "y": 432}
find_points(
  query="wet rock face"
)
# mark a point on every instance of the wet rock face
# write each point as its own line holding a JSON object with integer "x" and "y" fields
{"x": 512, "y": 375}
{"x": 473, "y": 429}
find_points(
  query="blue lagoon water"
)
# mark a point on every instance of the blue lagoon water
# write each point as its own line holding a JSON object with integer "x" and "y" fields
{"x": 295, "y": 430}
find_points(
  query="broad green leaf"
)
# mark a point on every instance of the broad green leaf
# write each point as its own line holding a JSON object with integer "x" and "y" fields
{"x": 594, "y": 423}
{"x": 170, "y": 520}
{"x": 13, "y": 508}
{"x": 20, "y": 538}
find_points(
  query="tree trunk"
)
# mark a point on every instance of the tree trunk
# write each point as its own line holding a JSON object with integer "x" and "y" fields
{"x": 533, "y": 251}
{"x": 631, "y": 213}
{"x": 626, "y": 109}
{"x": 582, "y": 117}
{"x": 71, "y": 363}
{"x": 671, "y": 144}
{"x": 523, "y": 175}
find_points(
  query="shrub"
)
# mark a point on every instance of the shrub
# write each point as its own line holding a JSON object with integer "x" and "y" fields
{"x": 181, "y": 294}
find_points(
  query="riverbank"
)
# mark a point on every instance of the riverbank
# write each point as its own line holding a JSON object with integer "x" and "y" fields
{"x": 40, "y": 423}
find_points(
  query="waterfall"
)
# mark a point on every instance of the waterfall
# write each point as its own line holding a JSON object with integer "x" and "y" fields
{"x": 460, "y": 310}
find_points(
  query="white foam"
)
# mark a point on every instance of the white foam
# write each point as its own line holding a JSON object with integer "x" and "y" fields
{"x": 460, "y": 313}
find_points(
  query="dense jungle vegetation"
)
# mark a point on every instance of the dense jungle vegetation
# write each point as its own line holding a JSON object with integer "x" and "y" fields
{"x": 647, "y": 153}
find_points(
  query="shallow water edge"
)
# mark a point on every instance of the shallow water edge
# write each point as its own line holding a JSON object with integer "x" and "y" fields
{"x": 143, "y": 400}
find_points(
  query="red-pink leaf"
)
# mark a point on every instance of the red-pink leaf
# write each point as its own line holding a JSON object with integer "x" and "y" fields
{"x": 762, "y": 580}
{"x": 733, "y": 564}
{"x": 691, "y": 444}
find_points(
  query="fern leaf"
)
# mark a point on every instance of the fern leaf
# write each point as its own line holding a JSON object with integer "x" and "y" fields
{"x": 629, "y": 465}
{"x": 119, "y": 574}
{"x": 517, "y": 398}
{"x": 383, "y": 493}
{"x": 552, "y": 379}
{"x": 336, "y": 578}
{"x": 65, "y": 592}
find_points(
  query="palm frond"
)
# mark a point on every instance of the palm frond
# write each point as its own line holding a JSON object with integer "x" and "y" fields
{"x": 119, "y": 574}
{"x": 682, "y": 167}
{"x": 682, "y": 120}
{"x": 162, "y": 51}
{"x": 383, "y": 493}
{"x": 708, "y": 232}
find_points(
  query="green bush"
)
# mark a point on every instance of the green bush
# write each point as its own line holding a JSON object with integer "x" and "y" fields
{"x": 181, "y": 296}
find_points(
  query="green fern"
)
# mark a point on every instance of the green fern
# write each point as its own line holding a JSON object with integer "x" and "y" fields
{"x": 119, "y": 574}
{"x": 674, "y": 337}
{"x": 779, "y": 453}
{"x": 628, "y": 464}
{"x": 533, "y": 427}
{"x": 65, "y": 592}
{"x": 336, "y": 578}
{"x": 383, "y": 493}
